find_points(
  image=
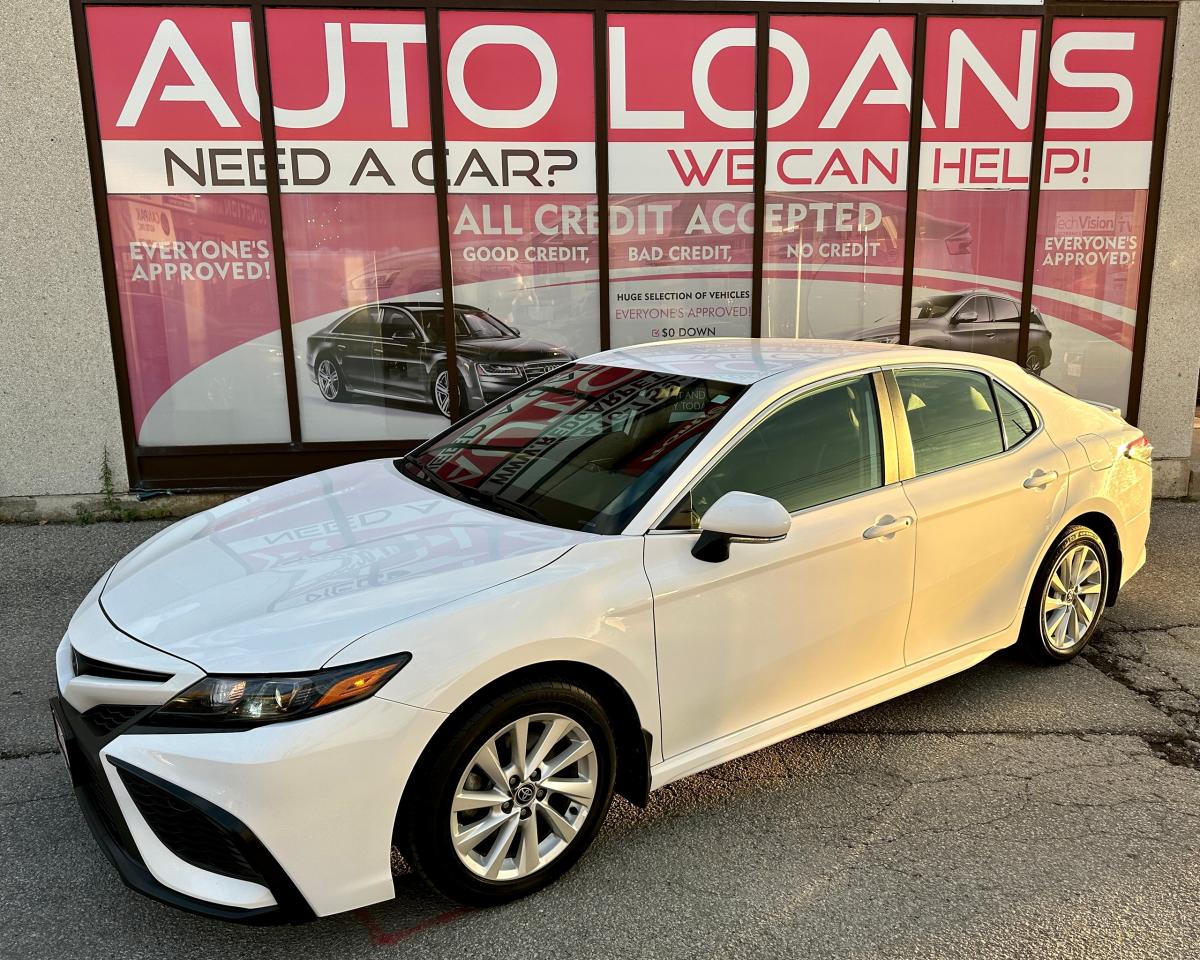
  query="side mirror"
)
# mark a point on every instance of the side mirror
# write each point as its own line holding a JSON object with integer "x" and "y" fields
{"x": 966, "y": 316}
{"x": 744, "y": 517}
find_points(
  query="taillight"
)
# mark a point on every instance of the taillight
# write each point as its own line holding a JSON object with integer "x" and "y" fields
{"x": 1139, "y": 449}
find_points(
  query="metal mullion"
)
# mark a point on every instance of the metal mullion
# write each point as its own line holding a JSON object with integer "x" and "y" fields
{"x": 600, "y": 109}
{"x": 441, "y": 188}
{"x": 266, "y": 129}
{"x": 1036, "y": 150}
{"x": 1166, "y": 68}
{"x": 762, "y": 47}
{"x": 108, "y": 265}
{"x": 916, "y": 114}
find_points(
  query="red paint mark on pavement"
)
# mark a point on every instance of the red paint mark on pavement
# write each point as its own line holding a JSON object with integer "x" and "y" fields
{"x": 386, "y": 938}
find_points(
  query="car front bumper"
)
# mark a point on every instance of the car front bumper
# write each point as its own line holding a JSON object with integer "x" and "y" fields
{"x": 277, "y": 824}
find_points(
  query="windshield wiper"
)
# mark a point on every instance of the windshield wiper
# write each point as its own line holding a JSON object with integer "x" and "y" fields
{"x": 443, "y": 486}
{"x": 487, "y": 501}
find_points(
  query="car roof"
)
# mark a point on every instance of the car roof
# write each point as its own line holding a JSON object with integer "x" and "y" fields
{"x": 424, "y": 304}
{"x": 744, "y": 360}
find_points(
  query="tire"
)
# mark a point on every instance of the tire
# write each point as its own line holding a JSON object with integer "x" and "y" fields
{"x": 492, "y": 861}
{"x": 330, "y": 382}
{"x": 1072, "y": 577}
{"x": 1035, "y": 363}
{"x": 439, "y": 391}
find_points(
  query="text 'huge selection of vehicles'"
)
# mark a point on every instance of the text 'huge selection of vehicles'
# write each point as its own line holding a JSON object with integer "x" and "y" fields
{"x": 974, "y": 321}
{"x": 634, "y": 568}
{"x": 396, "y": 349}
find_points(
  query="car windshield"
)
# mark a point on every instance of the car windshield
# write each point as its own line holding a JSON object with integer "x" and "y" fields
{"x": 582, "y": 448}
{"x": 932, "y": 307}
{"x": 470, "y": 325}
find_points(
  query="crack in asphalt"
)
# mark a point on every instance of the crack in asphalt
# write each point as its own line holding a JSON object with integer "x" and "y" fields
{"x": 26, "y": 754}
{"x": 1125, "y": 657}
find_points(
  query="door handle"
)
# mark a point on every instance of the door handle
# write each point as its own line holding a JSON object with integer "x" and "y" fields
{"x": 886, "y": 526}
{"x": 1040, "y": 478}
{"x": 378, "y": 351}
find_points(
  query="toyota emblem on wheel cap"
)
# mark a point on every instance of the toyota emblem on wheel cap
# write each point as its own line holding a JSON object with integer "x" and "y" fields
{"x": 523, "y": 794}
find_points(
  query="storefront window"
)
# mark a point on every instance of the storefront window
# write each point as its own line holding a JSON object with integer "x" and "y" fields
{"x": 1101, "y": 105}
{"x": 521, "y": 157}
{"x": 973, "y": 203}
{"x": 837, "y": 152}
{"x": 681, "y": 175}
{"x": 191, "y": 234}
{"x": 351, "y": 96}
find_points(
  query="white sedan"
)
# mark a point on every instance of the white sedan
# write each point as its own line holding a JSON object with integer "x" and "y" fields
{"x": 638, "y": 566}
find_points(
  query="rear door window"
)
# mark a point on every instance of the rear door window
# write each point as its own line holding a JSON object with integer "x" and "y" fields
{"x": 951, "y": 416}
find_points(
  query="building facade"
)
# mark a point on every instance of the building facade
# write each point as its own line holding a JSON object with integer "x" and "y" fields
{"x": 465, "y": 194}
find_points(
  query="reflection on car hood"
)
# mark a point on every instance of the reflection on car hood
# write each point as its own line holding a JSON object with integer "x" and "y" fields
{"x": 282, "y": 579}
{"x": 511, "y": 349}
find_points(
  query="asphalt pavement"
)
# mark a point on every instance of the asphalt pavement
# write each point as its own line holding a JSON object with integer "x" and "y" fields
{"x": 1011, "y": 811}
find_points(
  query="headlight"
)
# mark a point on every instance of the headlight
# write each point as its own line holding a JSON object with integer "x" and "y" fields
{"x": 501, "y": 369}
{"x": 250, "y": 701}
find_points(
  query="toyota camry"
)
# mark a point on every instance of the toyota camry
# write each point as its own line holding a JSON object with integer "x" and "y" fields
{"x": 635, "y": 567}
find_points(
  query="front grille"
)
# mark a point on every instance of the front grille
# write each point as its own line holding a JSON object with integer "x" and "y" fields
{"x": 533, "y": 370}
{"x": 85, "y": 666}
{"x": 187, "y": 832}
{"x": 105, "y": 718}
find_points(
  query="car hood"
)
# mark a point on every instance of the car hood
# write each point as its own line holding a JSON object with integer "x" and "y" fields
{"x": 282, "y": 579}
{"x": 883, "y": 327}
{"x": 512, "y": 349}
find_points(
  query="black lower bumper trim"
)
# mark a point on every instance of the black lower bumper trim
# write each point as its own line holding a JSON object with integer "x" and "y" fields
{"x": 98, "y": 805}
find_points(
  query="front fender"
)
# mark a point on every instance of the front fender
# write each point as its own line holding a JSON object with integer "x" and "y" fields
{"x": 591, "y": 606}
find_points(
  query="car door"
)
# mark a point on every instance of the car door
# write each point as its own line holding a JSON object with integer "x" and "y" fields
{"x": 403, "y": 369}
{"x": 1005, "y": 328}
{"x": 358, "y": 349}
{"x": 986, "y": 498}
{"x": 970, "y": 325}
{"x": 778, "y": 625}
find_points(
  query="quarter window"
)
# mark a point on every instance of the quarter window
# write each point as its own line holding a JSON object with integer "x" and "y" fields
{"x": 951, "y": 417}
{"x": 820, "y": 447}
{"x": 1015, "y": 417}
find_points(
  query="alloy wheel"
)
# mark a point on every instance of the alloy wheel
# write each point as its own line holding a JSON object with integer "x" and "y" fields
{"x": 1033, "y": 363}
{"x": 1073, "y": 597}
{"x": 441, "y": 393}
{"x": 328, "y": 379}
{"x": 524, "y": 796}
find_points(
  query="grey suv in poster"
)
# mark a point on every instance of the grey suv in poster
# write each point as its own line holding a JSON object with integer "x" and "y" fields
{"x": 974, "y": 321}
{"x": 395, "y": 349}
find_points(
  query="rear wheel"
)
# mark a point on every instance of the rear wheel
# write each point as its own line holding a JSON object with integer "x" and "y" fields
{"x": 514, "y": 798}
{"x": 1034, "y": 363}
{"x": 1067, "y": 598}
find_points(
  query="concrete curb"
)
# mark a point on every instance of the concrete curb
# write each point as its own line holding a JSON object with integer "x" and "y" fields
{"x": 92, "y": 508}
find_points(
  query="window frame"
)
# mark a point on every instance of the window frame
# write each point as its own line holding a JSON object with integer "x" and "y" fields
{"x": 904, "y": 445}
{"x": 885, "y": 421}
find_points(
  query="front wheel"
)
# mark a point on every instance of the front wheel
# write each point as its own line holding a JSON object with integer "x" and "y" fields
{"x": 329, "y": 380}
{"x": 1067, "y": 598}
{"x": 515, "y": 796}
{"x": 441, "y": 392}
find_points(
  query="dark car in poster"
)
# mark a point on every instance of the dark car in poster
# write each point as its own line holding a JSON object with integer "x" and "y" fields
{"x": 395, "y": 349}
{"x": 975, "y": 321}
